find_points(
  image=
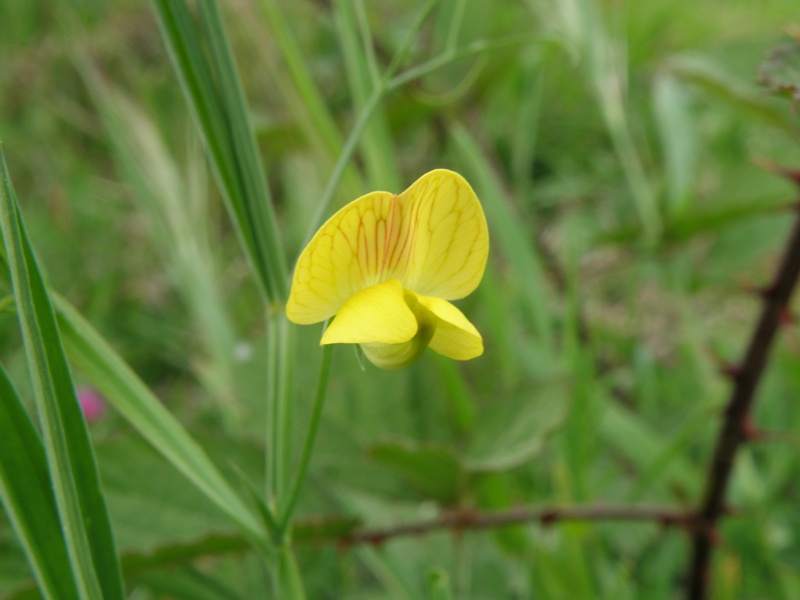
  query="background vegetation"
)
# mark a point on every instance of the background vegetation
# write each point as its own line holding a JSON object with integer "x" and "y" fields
{"x": 618, "y": 149}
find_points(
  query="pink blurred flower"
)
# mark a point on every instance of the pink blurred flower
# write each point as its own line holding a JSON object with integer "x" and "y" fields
{"x": 92, "y": 403}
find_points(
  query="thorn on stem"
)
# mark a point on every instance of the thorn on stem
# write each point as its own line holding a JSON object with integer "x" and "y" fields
{"x": 749, "y": 287}
{"x": 725, "y": 368}
{"x": 787, "y": 317}
{"x": 731, "y": 371}
{"x": 549, "y": 517}
{"x": 788, "y": 320}
{"x": 771, "y": 166}
{"x": 750, "y": 431}
{"x": 714, "y": 537}
{"x": 768, "y": 291}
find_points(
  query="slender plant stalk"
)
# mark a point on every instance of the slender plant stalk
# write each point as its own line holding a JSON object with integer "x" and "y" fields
{"x": 471, "y": 49}
{"x": 311, "y": 435}
{"x": 736, "y": 421}
{"x": 202, "y": 58}
{"x": 370, "y": 105}
{"x": 389, "y": 83}
{"x": 276, "y": 336}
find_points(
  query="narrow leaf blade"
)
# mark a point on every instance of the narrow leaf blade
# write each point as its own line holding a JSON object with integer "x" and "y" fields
{"x": 104, "y": 367}
{"x": 76, "y": 484}
{"x": 28, "y": 499}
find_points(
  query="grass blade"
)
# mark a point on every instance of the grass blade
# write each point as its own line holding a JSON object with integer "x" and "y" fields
{"x": 26, "y": 493}
{"x": 204, "y": 62}
{"x": 103, "y": 366}
{"x": 76, "y": 485}
{"x": 303, "y": 98}
{"x": 376, "y": 144}
{"x": 179, "y": 219}
{"x": 514, "y": 239}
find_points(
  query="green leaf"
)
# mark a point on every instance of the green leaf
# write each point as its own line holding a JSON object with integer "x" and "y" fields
{"x": 76, "y": 485}
{"x": 27, "y": 496}
{"x": 203, "y": 60}
{"x": 432, "y": 470}
{"x": 516, "y": 430}
{"x": 106, "y": 370}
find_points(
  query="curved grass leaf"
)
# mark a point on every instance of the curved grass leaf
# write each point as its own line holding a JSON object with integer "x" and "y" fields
{"x": 508, "y": 229}
{"x": 73, "y": 471}
{"x": 104, "y": 367}
{"x": 28, "y": 498}
{"x": 202, "y": 58}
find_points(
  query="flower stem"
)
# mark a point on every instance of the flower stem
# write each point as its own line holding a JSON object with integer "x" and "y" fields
{"x": 311, "y": 435}
{"x": 280, "y": 369}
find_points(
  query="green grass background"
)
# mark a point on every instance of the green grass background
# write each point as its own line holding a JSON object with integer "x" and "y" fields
{"x": 614, "y": 147}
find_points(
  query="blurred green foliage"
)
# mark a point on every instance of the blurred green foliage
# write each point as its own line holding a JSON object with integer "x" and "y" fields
{"x": 612, "y": 145}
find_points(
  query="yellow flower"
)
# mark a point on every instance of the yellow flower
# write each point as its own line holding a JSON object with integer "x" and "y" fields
{"x": 386, "y": 266}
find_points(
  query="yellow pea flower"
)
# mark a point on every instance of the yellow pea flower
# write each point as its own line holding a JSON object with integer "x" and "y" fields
{"x": 386, "y": 266}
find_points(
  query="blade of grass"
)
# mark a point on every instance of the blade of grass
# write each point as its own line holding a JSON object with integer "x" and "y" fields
{"x": 584, "y": 35}
{"x": 302, "y": 97}
{"x": 510, "y": 233}
{"x": 390, "y": 82}
{"x": 204, "y": 63}
{"x": 112, "y": 376}
{"x": 73, "y": 471}
{"x": 607, "y": 72}
{"x": 364, "y": 117}
{"x": 677, "y": 131}
{"x": 179, "y": 218}
{"x": 26, "y": 493}
{"x": 359, "y": 59}
{"x": 320, "y": 122}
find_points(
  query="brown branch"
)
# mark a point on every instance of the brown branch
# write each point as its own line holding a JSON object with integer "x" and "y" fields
{"x": 468, "y": 519}
{"x": 736, "y": 425}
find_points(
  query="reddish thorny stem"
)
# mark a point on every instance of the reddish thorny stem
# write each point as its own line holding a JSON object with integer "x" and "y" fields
{"x": 737, "y": 427}
{"x": 470, "y": 519}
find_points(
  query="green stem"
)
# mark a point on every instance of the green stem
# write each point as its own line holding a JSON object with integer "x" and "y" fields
{"x": 290, "y": 584}
{"x": 311, "y": 435}
{"x": 381, "y": 87}
{"x": 388, "y": 84}
{"x": 344, "y": 160}
{"x": 279, "y": 365}
{"x": 448, "y": 56}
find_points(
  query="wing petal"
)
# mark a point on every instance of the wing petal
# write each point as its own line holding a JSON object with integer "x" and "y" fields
{"x": 455, "y": 337}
